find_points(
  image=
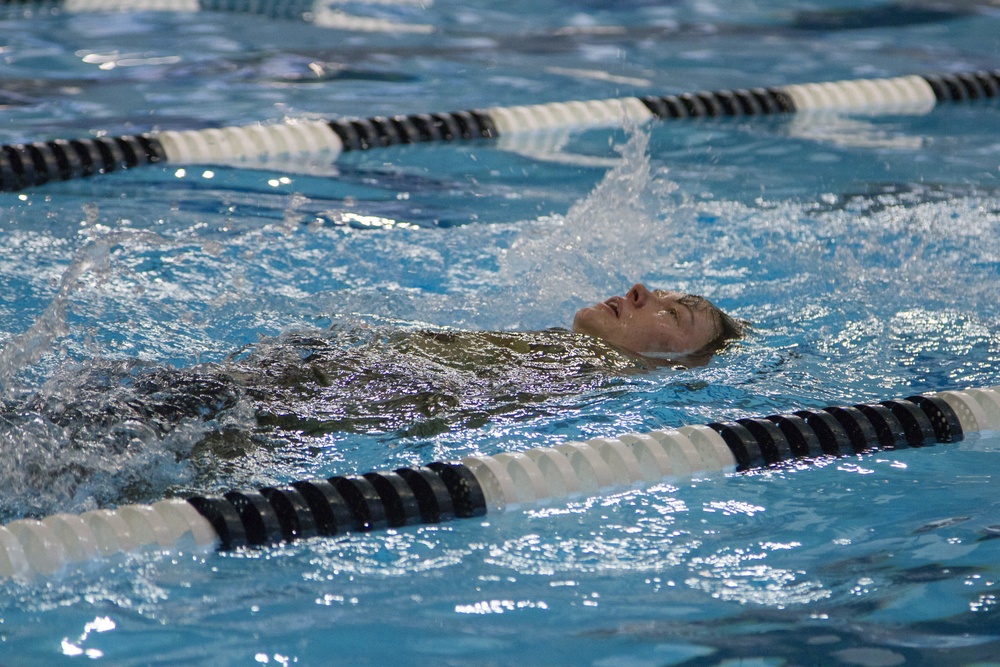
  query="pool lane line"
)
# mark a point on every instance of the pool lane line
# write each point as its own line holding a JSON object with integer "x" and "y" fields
{"x": 270, "y": 8}
{"x": 316, "y": 12}
{"x": 39, "y": 162}
{"x": 476, "y": 485}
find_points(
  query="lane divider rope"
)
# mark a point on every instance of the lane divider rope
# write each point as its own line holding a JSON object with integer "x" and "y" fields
{"x": 39, "y": 162}
{"x": 442, "y": 491}
{"x": 321, "y": 13}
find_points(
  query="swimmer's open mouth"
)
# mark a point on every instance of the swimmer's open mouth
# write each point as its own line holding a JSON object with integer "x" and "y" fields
{"x": 612, "y": 303}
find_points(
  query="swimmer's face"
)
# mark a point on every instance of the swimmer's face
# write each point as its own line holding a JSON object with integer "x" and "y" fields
{"x": 651, "y": 322}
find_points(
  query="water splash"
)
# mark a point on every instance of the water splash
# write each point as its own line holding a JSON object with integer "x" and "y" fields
{"x": 77, "y": 441}
{"x": 92, "y": 260}
{"x": 606, "y": 241}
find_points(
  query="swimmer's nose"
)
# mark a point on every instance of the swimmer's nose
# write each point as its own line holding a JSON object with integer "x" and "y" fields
{"x": 637, "y": 295}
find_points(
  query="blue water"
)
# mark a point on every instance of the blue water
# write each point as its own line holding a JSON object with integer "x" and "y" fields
{"x": 864, "y": 251}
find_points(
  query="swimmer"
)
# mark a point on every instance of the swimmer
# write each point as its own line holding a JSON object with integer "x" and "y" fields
{"x": 385, "y": 379}
{"x": 294, "y": 394}
{"x": 659, "y": 324}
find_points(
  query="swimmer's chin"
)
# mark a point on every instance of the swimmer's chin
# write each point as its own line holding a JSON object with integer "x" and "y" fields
{"x": 579, "y": 323}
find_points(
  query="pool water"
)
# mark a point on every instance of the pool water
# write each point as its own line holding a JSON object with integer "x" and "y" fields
{"x": 864, "y": 251}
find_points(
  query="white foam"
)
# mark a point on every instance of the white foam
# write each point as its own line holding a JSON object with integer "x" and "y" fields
{"x": 613, "y": 237}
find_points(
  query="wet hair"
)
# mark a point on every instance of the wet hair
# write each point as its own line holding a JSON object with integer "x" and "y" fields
{"x": 726, "y": 327}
